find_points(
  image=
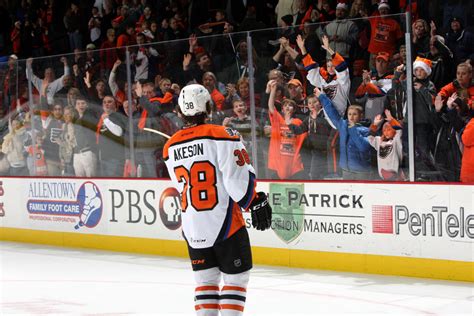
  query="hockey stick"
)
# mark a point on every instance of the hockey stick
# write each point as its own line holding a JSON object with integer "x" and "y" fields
{"x": 156, "y": 132}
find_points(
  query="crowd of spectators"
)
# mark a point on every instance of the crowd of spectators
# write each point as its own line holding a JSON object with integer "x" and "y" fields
{"x": 330, "y": 85}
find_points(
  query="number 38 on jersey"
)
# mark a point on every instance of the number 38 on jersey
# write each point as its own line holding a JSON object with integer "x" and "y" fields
{"x": 200, "y": 181}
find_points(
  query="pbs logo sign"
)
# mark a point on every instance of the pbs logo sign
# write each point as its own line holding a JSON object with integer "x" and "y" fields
{"x": 170, "y": 208}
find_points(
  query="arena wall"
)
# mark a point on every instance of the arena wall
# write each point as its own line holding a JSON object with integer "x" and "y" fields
{"x": 417, "y": 230}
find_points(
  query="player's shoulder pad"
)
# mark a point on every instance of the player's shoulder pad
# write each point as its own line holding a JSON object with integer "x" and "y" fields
{"x": 219, "y": 132}
{"x": 206, "y": 131}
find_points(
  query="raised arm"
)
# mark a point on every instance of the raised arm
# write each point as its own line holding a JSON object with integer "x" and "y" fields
{"x": 34, "y": 79}
{"x": 272, "y": 85}
{"x": 281, "y": 50}
{"x": 293, "y": 53}
{"x": 326, "y": 46}
{"x": 113, "y": 74}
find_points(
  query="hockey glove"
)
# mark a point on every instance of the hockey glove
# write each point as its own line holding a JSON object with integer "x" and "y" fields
{"x": 261, "y": 212}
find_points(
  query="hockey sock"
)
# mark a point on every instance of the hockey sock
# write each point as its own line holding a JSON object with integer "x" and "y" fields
{"x": 233, "y": 294}
{"x": 206, "y": 300}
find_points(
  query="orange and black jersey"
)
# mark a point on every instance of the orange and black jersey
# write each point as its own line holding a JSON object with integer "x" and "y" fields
{"x": 211, "y": 169}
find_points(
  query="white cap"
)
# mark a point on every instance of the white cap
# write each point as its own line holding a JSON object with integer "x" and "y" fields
{"x": 341, "y": 5}
{"x": 193, "y": 100}
{"x": 383, "y": 4}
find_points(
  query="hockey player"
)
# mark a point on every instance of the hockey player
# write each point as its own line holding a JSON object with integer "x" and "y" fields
{"x": 211, "y": 169}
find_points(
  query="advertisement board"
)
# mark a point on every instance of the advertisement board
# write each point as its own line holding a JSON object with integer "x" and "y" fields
{"x": 422, "y": 221}
{"x": 348, "y": 221}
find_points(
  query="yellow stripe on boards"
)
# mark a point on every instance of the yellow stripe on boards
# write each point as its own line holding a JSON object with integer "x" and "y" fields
{"x": 348, "y": 262}
{"x": 364, "y": 263}
{"x": 161, "y": 247}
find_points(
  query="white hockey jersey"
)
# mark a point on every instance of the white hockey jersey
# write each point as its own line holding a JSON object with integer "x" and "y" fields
{"x": 211, "y": 169}
{"x": 335, "y": 87}
{"x": 389, "y": 152}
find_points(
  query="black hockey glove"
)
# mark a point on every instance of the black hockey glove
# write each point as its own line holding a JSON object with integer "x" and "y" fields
{"x": 261, "y": 212}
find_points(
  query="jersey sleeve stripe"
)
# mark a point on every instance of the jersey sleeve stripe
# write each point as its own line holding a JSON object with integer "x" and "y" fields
{"x": 249, "y": 195}
{"x": 341, "y": 67}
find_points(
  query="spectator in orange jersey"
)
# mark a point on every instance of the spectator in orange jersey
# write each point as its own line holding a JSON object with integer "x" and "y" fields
{"x": 467, "y": 165}
{"x": 462, "y": 85}
{"x": 37, "y": 155}
{"x": 284, "y": 153}
{"x": 385, "y": 32}
{"x": 372, "y": 92}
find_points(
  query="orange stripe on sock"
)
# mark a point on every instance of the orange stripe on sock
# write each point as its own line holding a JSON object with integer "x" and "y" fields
{"x": 207, "y": 288}
{"x": 234, "y": 288}
{"x": 233, "y": 307}
{"x": 206, "y": 306}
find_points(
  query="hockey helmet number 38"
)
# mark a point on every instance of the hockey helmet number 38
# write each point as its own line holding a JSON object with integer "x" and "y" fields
{"x": 193, "y": 99}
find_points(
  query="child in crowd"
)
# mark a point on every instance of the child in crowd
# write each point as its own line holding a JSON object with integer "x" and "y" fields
{"x": 242, "y": 123}
{"x": 333, "y": 79}
{"x": 424, "y": 114}
{"x": 354, "y": 146}
{"x": 36, "y": 152}
{"x": 388, "y": 147}
{"x": 314, "y": 150}
{"x": 284, "y": 152}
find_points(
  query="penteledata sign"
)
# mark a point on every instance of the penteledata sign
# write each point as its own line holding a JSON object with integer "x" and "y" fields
{"x": 404, "y": 220}
{"x": 421, "y": 221}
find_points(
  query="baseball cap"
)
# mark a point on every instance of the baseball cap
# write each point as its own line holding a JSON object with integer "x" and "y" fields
{"x": 383, "y": 55}
{"x": 13, "y": 56}
{"x": 90, "y": 46}
{"x": 295, "y": 82}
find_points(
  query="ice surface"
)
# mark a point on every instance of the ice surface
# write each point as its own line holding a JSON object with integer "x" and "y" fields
{"x": 37, "y": 279}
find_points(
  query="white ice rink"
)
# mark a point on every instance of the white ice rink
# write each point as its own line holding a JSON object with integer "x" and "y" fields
{"x": 41, "y": 280}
